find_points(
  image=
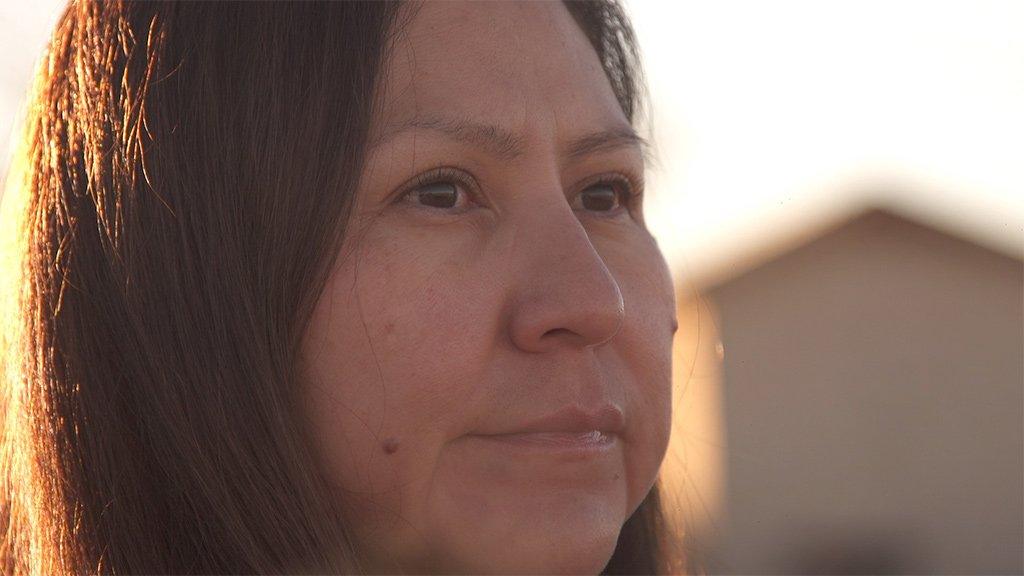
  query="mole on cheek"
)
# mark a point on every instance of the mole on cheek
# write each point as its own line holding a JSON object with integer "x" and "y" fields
{"x": 390, "y": 445}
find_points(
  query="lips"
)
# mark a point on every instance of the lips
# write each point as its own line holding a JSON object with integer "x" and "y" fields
{"x": 571, "y": 420}
{"x": 593, "y": 439}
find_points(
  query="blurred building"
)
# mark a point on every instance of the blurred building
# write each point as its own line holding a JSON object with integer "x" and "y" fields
{"x": 864, "y": 410}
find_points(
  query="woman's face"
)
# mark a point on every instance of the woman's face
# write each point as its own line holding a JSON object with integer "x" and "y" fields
{"x": 488, "y": 369}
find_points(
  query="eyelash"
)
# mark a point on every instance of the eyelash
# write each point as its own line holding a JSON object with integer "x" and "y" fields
{"x": 627, "y": 186}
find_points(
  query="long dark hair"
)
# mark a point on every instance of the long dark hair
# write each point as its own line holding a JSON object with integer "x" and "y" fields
{"x": 171, "y": 218}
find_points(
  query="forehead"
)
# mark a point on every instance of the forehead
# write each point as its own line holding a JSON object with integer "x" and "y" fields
{"x": 523, "y": 65}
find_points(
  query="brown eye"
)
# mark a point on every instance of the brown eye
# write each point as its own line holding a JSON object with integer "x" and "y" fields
{"x": 437, "y": 195}
{"x": 443, "y": 190}
{"x": 607, "y": 197}
{"x": 600, "y": 198}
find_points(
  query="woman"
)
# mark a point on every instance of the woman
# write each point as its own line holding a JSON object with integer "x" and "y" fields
{"x": 335, "y": 288}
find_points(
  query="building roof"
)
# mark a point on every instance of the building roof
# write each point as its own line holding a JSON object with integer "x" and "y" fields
{"x": 866, "y": 216}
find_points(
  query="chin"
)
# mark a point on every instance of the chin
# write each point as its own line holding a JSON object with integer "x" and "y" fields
{"x": 587, "y": 558}
{"x": 576, "y": 550}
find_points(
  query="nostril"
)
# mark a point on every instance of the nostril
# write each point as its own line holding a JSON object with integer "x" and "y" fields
{"x": 557, "y": 331}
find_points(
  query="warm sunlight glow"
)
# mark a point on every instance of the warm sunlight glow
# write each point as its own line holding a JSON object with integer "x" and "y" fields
{"x": 694, "y": 470}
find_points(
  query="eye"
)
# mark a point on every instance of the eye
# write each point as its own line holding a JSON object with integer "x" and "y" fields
{"x": 438, "y": 195}
{"x": 443, "y": 189}
{"x": 608, "y": 195}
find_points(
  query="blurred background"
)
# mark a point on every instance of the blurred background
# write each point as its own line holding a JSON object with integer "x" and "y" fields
{"x": 839, "y": 190}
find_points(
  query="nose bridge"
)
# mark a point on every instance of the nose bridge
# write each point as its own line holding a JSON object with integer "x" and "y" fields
{"x": 565, "y": 294}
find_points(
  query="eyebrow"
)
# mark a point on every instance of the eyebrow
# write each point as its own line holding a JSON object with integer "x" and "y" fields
{"x": 506, "y": 145}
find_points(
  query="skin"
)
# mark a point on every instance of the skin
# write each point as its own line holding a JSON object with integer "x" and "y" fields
{"x": 513, "y": 299}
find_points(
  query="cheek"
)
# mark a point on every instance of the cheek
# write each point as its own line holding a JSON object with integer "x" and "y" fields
{"x": 643, "y": 350}
{"x": 394, "y": 347}
{"x": 391, "y": 328}
{"x": 650, "y": 402}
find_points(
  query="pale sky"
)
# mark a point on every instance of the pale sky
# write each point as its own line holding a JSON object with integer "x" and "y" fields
{"x": 772, "y": 116}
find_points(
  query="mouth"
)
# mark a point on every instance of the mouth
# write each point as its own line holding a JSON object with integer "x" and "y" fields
{"x": 571, "y": 431}
{"x": 573, "y": 445}
{"x": 571, "y": 419}
{"x": 590, "y": 439}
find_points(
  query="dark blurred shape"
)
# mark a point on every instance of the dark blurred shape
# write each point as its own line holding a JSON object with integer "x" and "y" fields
{"x": 868, "y": 554}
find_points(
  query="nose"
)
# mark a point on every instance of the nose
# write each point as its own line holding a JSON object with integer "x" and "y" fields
{"x": 565, "y": 295}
